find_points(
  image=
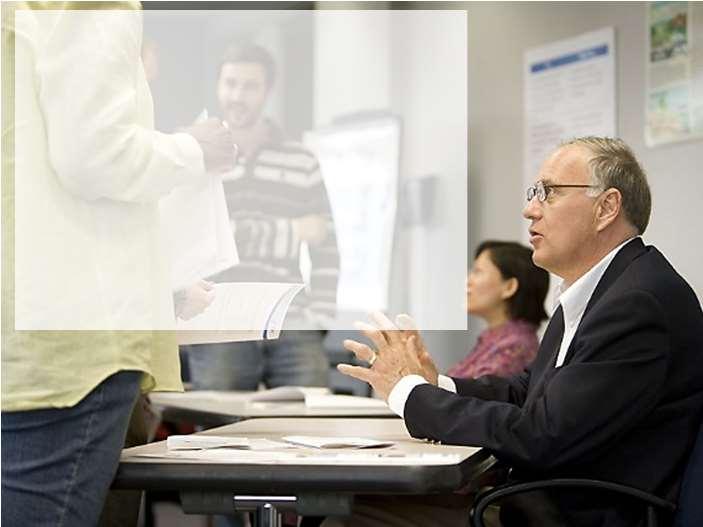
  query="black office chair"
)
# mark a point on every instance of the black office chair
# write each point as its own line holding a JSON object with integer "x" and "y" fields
{"x": 688, "y": 512}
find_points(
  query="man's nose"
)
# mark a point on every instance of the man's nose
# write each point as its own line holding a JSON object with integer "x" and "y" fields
{"x": 532, "y": 209}
{"x": 236, "y": 94}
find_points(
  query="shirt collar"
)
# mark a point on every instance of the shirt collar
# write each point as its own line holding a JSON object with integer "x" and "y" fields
{"x": 574, "y": 299}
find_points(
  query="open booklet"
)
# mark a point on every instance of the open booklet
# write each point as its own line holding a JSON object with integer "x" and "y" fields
{"x": 240, "y": 311}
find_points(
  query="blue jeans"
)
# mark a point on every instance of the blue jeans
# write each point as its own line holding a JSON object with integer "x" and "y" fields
{"x": 57, "y": 464}
{"x": 296, "y": 358}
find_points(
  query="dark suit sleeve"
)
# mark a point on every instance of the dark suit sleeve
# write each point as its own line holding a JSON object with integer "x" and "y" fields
{"x": 492, "y": 388}
{"x": 613, "y": 378}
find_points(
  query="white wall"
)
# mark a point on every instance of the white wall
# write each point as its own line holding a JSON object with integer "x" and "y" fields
{"x": 414, "y": 64}
{"x": 352, "y": 62}
{"x": 429, "y": 90}
{"x": 499, "y": 33}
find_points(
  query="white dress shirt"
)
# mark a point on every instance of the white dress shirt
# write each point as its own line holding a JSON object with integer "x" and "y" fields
{"x": 401, "y": 391}
{"x": 573, "y": 300}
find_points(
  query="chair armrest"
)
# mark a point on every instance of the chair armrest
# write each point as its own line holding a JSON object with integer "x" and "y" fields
{"x": 484, "y": 499}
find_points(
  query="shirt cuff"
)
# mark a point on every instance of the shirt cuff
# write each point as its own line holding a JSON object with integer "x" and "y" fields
{"x": 401, "y": 391}
{"x": 446, "y": 383}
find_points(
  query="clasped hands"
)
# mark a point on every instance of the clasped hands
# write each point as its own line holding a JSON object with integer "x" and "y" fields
{"x": 399, "y": 351}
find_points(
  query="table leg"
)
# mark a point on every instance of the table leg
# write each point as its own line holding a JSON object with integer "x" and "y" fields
{"x": 266, "y": 515}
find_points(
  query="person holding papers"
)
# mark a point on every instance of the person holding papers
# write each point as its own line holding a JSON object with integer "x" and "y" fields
{"x": 86, "y": 281}
{"x": 278, "y": 204}
{"x": 616, "y": 391}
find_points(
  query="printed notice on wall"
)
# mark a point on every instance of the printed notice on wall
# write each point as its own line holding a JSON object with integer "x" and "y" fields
{"x": 674, "y": 102}
{"x": 569, "y": 92}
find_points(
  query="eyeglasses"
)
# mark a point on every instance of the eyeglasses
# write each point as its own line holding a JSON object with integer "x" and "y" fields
{"x": 541, "y": 190}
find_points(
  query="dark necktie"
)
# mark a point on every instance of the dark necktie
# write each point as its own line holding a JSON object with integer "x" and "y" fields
{"x": 549, "y": 348}
{"x": 553, "y": 335}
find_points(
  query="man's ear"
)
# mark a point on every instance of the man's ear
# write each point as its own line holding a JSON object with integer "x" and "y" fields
{"x": 608, "y": 208}
{"x": 510, "y": 287}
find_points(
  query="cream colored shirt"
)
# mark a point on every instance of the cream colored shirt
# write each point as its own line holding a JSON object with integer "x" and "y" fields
{"x": 82, "y": 255}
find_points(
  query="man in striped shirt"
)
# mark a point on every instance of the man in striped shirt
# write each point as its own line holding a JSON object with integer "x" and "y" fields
{"x": 278, "y": 206}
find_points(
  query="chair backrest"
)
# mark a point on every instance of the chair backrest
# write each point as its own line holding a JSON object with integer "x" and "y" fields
{"x": 690, "y": 509}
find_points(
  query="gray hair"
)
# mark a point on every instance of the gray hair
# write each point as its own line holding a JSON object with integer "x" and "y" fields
{"x": 614, "y": 165}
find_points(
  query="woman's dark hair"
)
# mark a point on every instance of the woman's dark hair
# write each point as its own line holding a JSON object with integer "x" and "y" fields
{"x": 515, "y": 261}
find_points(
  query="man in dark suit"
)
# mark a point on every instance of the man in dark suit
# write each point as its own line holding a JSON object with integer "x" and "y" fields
{"x": 616, "y": 392}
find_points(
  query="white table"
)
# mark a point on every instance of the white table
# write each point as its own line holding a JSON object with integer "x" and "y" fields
{"x": 311, "y": 482}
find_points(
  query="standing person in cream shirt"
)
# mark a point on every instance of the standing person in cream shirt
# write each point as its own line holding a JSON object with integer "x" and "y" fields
{"x": 85, "y": 283}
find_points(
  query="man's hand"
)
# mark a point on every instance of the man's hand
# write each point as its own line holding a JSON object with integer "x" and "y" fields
{"x": 311, "y": 228}
{"x": 194, "y": 300}
{"x": 409, "y": 329}
{"x": 219, "y": 152}
{"x": 397, "y": 354}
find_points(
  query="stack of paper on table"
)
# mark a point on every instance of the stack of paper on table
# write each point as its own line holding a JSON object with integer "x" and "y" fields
{"x": 202, "y": 442}
{"x": 198, "y": 442}
{"x": 316, "y": 398}
{"x": 343, "y": 401}
{"x": 288, "y": 393}
{"x": 179, "y": 443}
{"x": 336, "y": 442}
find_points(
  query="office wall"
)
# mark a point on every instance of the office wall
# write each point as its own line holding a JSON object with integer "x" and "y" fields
{"x": 428, "y": 89}
{"x": 414, "y": 64}
{"x": 352, "y": 63}
{"x": 499, "y": 33}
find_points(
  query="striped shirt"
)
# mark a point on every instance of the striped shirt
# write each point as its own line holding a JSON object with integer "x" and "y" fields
{"x": 278, "y": 183}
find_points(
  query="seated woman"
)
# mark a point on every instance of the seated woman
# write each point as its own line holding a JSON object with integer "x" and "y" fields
{"x": 507, "y": 290}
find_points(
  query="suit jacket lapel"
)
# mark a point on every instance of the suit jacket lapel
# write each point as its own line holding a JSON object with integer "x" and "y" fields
{"x": 621, "y": 261}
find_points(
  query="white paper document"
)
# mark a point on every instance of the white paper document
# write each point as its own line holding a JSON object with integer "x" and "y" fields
{"x": 197, "y": 230}
{"x": 315, "y": 398}
{"x": 342, "y": 401}
{"x": 336, "y": 442}
{"x": 198, "y": 442}
{"x": 288, "y": 393}
{"x": 240, "y": 311}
